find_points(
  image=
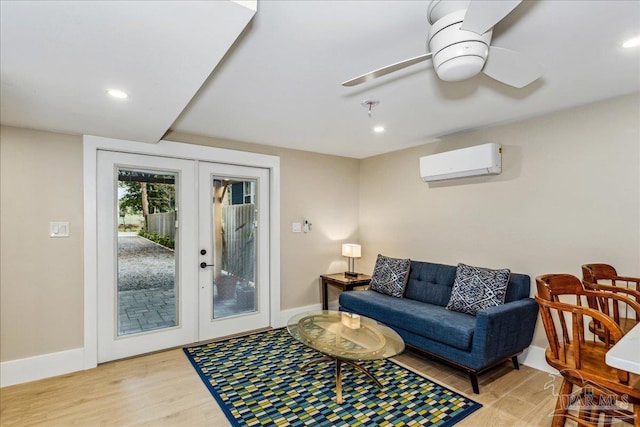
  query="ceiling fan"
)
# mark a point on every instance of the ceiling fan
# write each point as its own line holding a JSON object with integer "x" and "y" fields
{"x": 459, "y": 42}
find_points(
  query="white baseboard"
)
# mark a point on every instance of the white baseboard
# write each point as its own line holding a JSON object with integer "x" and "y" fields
{"x": 39, "y": 367}
{"x": 534, "y": 358}
{"x": 64, "y": 362}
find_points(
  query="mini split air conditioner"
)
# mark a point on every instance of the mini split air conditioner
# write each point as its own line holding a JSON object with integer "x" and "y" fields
{"x": 485, "y": 159}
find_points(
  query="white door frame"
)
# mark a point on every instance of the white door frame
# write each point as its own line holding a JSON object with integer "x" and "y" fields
{"x": 91, "y": 145}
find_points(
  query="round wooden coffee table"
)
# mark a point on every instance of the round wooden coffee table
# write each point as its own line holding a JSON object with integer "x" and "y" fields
{"x": 344, "y": 339}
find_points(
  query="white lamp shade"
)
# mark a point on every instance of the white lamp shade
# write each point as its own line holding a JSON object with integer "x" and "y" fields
{"x": 351, "y": 250}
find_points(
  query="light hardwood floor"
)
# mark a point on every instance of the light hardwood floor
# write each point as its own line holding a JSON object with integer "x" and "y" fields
{"x": 163, "y": 389}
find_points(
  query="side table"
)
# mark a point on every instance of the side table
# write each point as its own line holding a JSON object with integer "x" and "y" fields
{"x": 343, "y": 283}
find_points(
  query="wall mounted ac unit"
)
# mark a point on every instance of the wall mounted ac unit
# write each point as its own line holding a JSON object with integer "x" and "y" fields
{"x": 485, "y": 159}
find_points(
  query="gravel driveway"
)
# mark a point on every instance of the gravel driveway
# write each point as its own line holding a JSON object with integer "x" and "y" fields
{"x": 143, "y": 264}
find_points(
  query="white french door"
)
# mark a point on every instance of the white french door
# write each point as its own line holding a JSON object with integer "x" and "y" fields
{"x": 234, "y": 249}
{"x": 183, "y": 252}
{"x": 146, "y": 297}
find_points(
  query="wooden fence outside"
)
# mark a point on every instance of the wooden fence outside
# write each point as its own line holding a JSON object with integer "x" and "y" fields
{"x": 238, "y": 237}
{"x": 239, "y": 243}
{"x": 162, "y": 224}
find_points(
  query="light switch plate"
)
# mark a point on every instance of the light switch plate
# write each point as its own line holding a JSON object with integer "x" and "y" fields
{"x": 59, "y": 229}
{"x": 296, "y": 227}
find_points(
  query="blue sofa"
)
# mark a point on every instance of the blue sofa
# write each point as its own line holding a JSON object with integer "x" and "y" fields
{"x": 471, "y": 343}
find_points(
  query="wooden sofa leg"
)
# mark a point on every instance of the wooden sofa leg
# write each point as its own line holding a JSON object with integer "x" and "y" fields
{"x": 516, "y": 365}
{"x": 473, "y": 376}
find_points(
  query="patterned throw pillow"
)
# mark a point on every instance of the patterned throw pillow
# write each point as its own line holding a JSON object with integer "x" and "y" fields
{"x": 390, "y": 276}
{"x": 476, "y": 289}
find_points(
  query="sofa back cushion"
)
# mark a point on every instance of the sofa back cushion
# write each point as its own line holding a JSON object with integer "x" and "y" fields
{"x": 431, "y": 283}
{"x": 519, "y": 287}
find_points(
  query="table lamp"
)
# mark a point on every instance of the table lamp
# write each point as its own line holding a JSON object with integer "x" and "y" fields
{"x": 351, "y": 250}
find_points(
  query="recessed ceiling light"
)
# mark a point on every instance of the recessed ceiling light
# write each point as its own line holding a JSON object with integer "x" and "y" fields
{"x": 117, "y": 93}
{"x": 632, "y": 42}
{"x": 378, "y": 129}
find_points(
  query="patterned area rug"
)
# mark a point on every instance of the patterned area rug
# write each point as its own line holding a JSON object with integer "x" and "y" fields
{"x": 256, "y": 381}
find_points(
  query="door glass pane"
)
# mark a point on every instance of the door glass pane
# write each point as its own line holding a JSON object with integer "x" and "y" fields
{"x": 146, "y": 295}
{"x": 234, "y": 247}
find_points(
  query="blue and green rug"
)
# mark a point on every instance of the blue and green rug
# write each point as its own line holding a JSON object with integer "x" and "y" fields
{"x": 256, "y": 381}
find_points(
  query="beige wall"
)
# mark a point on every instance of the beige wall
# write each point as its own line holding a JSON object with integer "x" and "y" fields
{"x": 41, "y": 284}
{"x": 41, "y": 280}
{"x": 569, "y": 194}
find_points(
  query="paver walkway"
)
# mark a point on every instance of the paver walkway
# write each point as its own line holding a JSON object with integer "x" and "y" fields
{"x": 146, "y": 294}
{"x": 146, "y": 281}
{"x": 145, "y": 310}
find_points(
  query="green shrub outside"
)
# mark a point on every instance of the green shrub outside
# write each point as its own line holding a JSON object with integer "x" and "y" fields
{"x": 165, "y": 241}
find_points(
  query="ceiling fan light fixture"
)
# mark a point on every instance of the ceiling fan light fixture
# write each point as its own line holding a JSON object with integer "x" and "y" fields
{"x": 459, "y": 44}
{"x": 460, "y": 61}
{"x": 460, "y": 68}
{"x": 457, "y": 54}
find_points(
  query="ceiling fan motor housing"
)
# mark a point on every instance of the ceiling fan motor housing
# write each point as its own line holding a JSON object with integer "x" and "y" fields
{"x": 439, "y": 8}
{"x": 457, "y": 54}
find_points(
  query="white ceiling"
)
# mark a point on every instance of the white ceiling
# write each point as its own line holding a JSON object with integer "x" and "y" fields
{"x": 280, "y": 82}
{"x": 58, "y": 58}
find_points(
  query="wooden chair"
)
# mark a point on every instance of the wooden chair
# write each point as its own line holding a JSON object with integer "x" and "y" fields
{"x": 623, "y": 310}
{"x": 592, "y": 274}
{"x": 581, "y": 358}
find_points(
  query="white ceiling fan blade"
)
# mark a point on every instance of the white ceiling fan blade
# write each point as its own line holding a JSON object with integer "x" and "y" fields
{"x": 483, "y": 15}
{"x": 510, "y": 67}
{"x": 386, "y": 70}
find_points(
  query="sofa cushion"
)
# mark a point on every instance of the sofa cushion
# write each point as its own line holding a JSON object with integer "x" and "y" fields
{"x": 439, "y": 324}
{"x": 430, "y": 282}
{"x": 519, "y": 287}
{"x": 390, "y": 276}
{"x": 476, "y": 289}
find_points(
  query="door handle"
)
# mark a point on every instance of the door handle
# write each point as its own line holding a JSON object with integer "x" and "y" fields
{"x": 204, "y": 264}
